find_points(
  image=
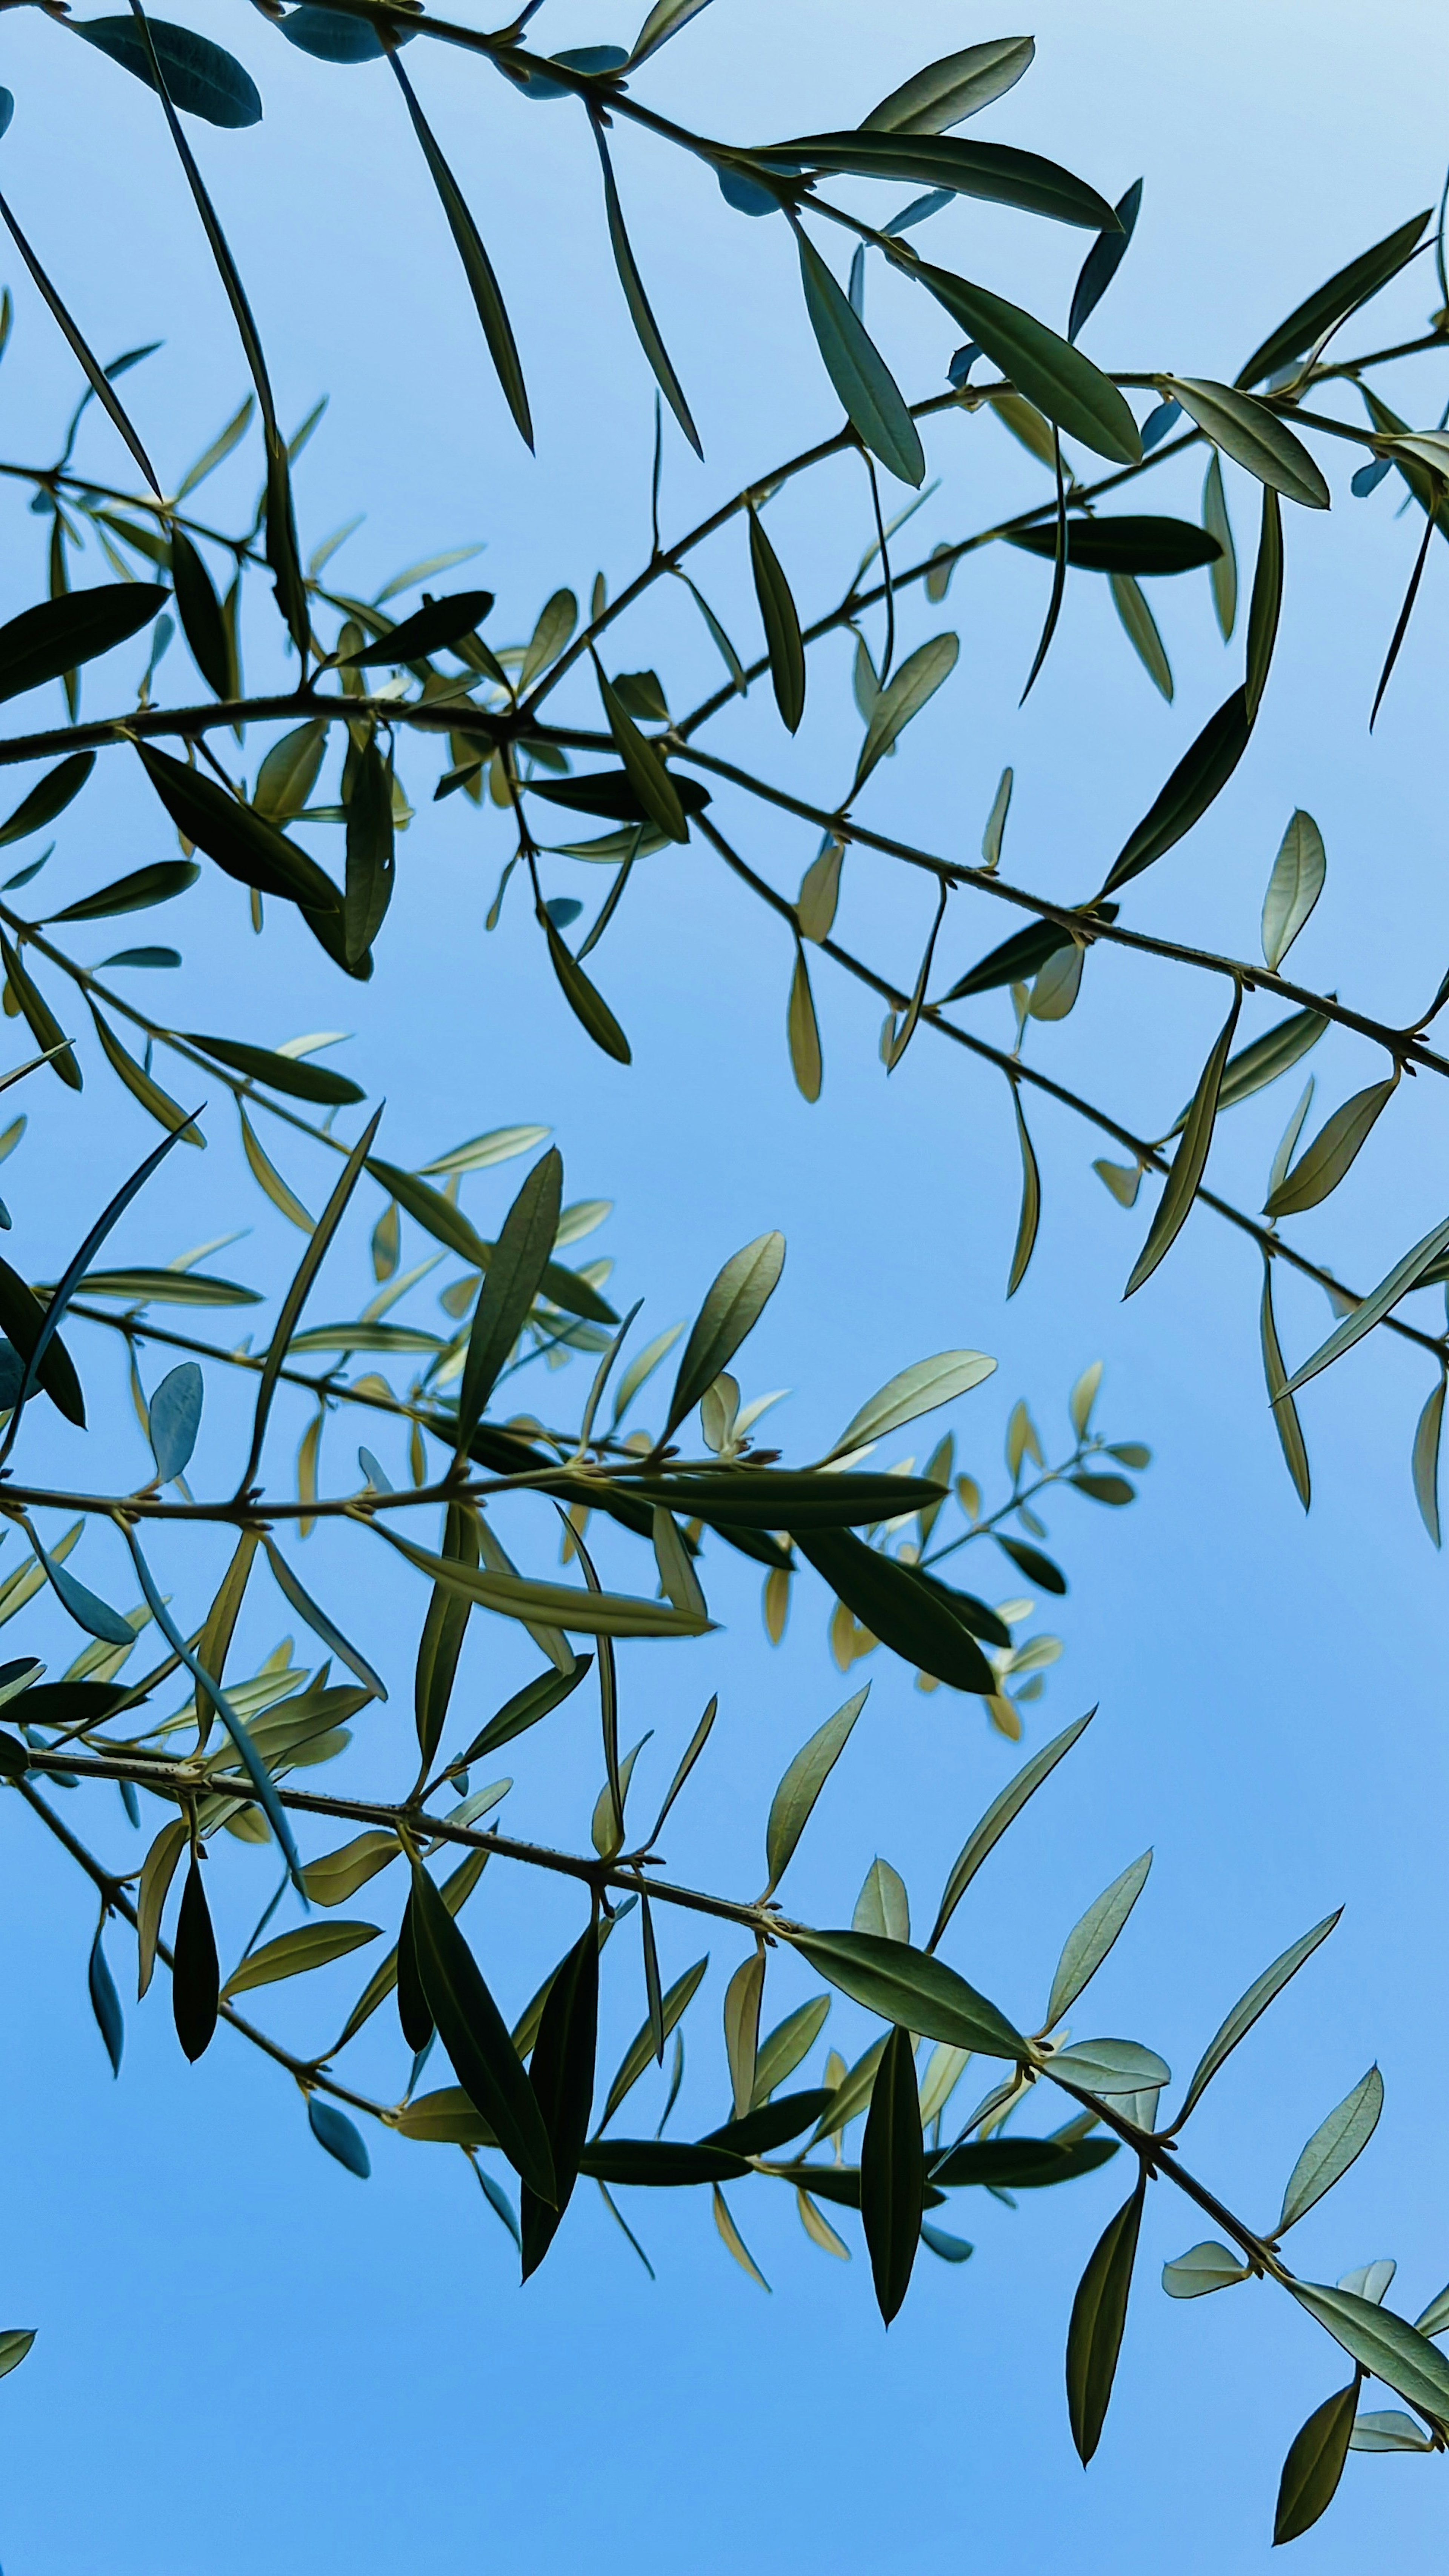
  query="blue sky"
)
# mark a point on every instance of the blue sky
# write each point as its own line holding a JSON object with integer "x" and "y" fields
{"x": 244, "y": 2356}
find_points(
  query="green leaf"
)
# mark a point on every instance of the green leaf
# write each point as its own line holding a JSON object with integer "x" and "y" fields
{"x": 1372, "y": 1309}
{"x": 893, "y": 2173}
{"x": 433, "y": 628}
{"x": 957, "y": 86}
{"x": 293, "y": 1954}
{"x": 370, "y": 863}
{"x": 22, "y": 1321}
{"x": 561, "y": 2075}
{"x": 1265, "y": 1058}
{"x": 557, "y": 619}
{"x": 1426, "y": 1461}
{"x": 90, "y": 365}
{"x": 612, "y": 793}
{"x": 787, "y": 2045}
{"x": 15, "y": 2343}
{"x": 1294, "y": 886}
{"x": 39, "y": 1018}
{"x": 510, "y": 1284}
{"x": 1073, "y": 393}
{"x": 1252, "y": 435}
{"x": 44, "y": 642}
{"x": 1201, "y": 2269}
{"x": 640, "y": 310}
{"x": 1003, "y": 1811}
{"x": 900, "y": 1607}
{"x": 736, "y": 1300}
{"x": 1333, "y": 2147}
{"x": 444, "y": 1629}
{"x": 296, "y": 1296}
{"x": 1110, "y": 2066}
{"x": 202, "y": 619}
{"x": 48, "y": 797}
{"x": 133, "y": 893}
{"x": 1138, "y": 546}
{"x": 477, "y": 267}
{"x": 911, "y": 1990}
{"x": 1224, "y": 573}
{"x": 781, "y": 623}
{"x": 338, "y": 1875}
{"x": 1022, "y": 2164}
{"x": 1389, "y": 2431}
{"x": 1285, "y": 1411}
{"x": 996, "y": 171}
{"x": 1266, "y": 601}
{"x": 870, "y": 397}
{"x": 640, "y": 2050}
{"x": 202, "y": 78}
{"x": 794, "y": 1800}
{"x": 655, "y": 2163}
{"x": 1099, "y": 2314}
{"x": 536, "y": 1700}
{"x": 1141, "y": 628}
{"x": 1087, "y": 1946}
{"x": 167, "y": 1288}
{"x": 919, "y": 1389}
{"x": 476, "y": 2038}
{"x": 1030, "y": 1217}
{"x": 447, "y": 1224}
{"x": 195, "y": 1974}
{"x": 584, "y": 998}
{"x": 1248, "y": 2009}
{"x": 1344, "y": 292}
{"x": 243, "y": 844}
{"x": 1314, "y": 2465}
{"x": 644, "y": 768}
{"x": 1190, "y": 1161}
{"x": 770, "y": 2125}
{"x": 918, "y": 679}
{"x": 1103, "y": 261}
{"x": 883, "y": 1905}
{"x": 559, "y": 1605}
{"x": 1334, "y": 1149}
{"x": 317, "y": 1620}
{"x": 1197, "y": 781}
{"x": 772, "y": 1498}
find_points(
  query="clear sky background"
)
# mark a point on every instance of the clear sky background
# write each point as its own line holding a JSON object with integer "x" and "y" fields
{"x": 247, "y": 2359}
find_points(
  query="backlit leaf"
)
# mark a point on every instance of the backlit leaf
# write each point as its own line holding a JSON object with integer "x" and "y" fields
{"x": 1088, "y": 1944}
{"x": 1294, "y": 886}
{"x": 1314, "y": 2465}
{"x": 871, "y": 398}
{"x": 1099, "y": 2315}
{"x": 1333, "y": 1151}
{"x": 795, "y": 1797}
{"x": 911, "y": 1990}
{"x": 1248, "y": 2009}
{"x": 1253, "y": 436}
{"x": 1333, "y": 2147}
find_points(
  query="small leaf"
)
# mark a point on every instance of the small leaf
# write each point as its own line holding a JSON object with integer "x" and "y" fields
{"x": 105, "y": 2002}
{"x": 201, "y": 77}
{"x": 14, "y": 2345}
{"x": 882, "y": 1905}
{"x": 44, "y": 642}
{"x": 640, "y": 2050}
{"x": 1082, "y": 402}
{"x": 1426, "y": 1461}
{"x": 731, "y": 1310}
{"x": 243, "y": 844}
{"x": 333, "y": 2130}
{"x": 1314, "y": 2465}
{"x": 996, "y": 171}
{"x": 869, "y": 395}
{"x": 1294, "y": 886}
{"x": 1110, "y": 2066}
{"x": 370, "y": 862}
{"x": 174, "y": 1418}
{"x": 1388, "y": 2431}
{"x": 742, "y": 2028}
{"x": 95, "y": 1616}
{"x": 644, "y": 768}
{"x": 893, "y": 2173}
{"x": 1372, "y": 1309}
{"x": 919, "y": 1389}
{"x": 794, "y": 1800}
{"x": 1197, "y": 781}
{"x": 285, "y": 1073}
{"x": 48, "y": 797}
{"x": 1285, "y": 1411}
{"x": 476, "y": 2038}
{"x": 1333, "y": 2147}
{"x": 1248, "y": 2009}
{"x": 203, "y": 620}
{"x": 1381, "y": 2342}
{"x": 1223, "y": 575}
{"x": 789, "y": 2042}
{"x": 1141, "y": 627}
{"x": 477, "y": 267}
{"x": 1190, "y": 1161}
{"x": 1342, "y": 295}
{"x": 1333, "y": 1151}
{"x": 781, "y": 623}
{"x": 293, "y": 1954}
{"x": 1030, "y": 1217}
{"x": 338, "y": 1875}
{"x": 552, "y": 1605}
{"x": 1087, "y": 1946}
{"x": 911, "y": 1990}
{"x": 1099, "y": 2314}
{"x": 802, "y": 1030}
{"x": 918, "y": 679}
{"x": 510, "y": 1284}
{"x": 134, "y": 893}
{"x": 1003, "y": 1811}
{"x": 195, "y": 1974}
{"x": 957, "y": 86}
{"x": 41, "y": 1021}
{"x": 1103, "y": 261}
{"x": 435, "y": 627}
{"x": 1253, "y": 436}
{"x": 1201, "y": 2269}
{"x": 640, "y": 310}
{"x": 536, "y": 1700}
{"x": 561, "y": 2075}
{"x": 1265, "y": 604}
{"x": 900, "y": 1606}
{"x": 157, "y": 1872}
{"x": 318, "y": 1621}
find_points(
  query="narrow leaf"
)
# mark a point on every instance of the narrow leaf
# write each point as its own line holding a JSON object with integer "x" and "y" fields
{"x": 893, "y": 2173}
{"x": 1248, "y": 2009}
{"x": 795, "y": 1798}
{"x": 1190, "y": 1161}
{"x": 1333, "y": 2147}
{"x": 477, "y": 267}
{"x": 1099, "y": 2314}
{"x": 869, "y": 395}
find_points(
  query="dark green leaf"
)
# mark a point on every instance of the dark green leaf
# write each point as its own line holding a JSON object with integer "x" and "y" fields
{"x": 1199, "y": 778}
{"x": 447, "y": 1224}
{"x": 431, "y": 629}
{"x": 1323, "y": 1164}
{"x": 134, "y": 893}
{"x": 1285, "y": 1411}
{"x": 893, "y": 2173}
{"x": 870, "y": 397}
{"x": 105, "y": 2002}
{"x": 1370, "y": 1310}
{"x": 1344, "y": 291}
{"x": 654, "y": 2162}
{"x": 370, "y": 865}
{"x": 781, "y": 624}
{"x": 477, "y": 267}
{"x": 510, "y": 1284}
{"x": 647, "y": 775}
{"x": 1022, "y": 2164}
{"x": 476, "y": 2038}
{"x": 772, "y": 2124}
{"x": 640, "y": 2050}
{"x": 1266, "y": 602}
{"x": 57, "y": 636}
{"x": 911, "y": 1990}
{"x": 794, "y": 1800}
{"x": 413, "y": 2009}
{"x": 39, "y": 1018}
{"x": 1099, "y": 2314}
{"x": 1030, "y": 1216}
{"x": 1245, "y": 429}
{"x": 996, "y": 171}
{"x": 534, "y": 1701}
{"x": 202, "y": 618}
{"x": 731, "y": 1310}
{"x": 48, "y": 797}
{"x": 1045, "y": 368}
{"x": 772, "y": 1498}
{"x": 202, "y": 78}
{"x": 22, "y": 1321}
{"x": 890, "y": 1599}
{"x": 1381, "y": 2342}
{"x": 610, "y": 792}
{"x": 640, "y": 311}
{"x": 1248, "y": 2009}
{"x": 561, "y": 2074}
{"x": 441, "y": 1642}
{"x": 1003, "y": 1811}
{"x": 195, "y": 1974}
{"x": 317, "y": 1620}
{"x": 1101, "y": 265}
{"x": 243, "y": 844}
{"x": 1314, "y": 2465}
{"x": 1140, "y": 546}
{"x": 288, "y": 1073}
{"x": 584, "y": 998}
{"x": 1336, "y": 2143}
